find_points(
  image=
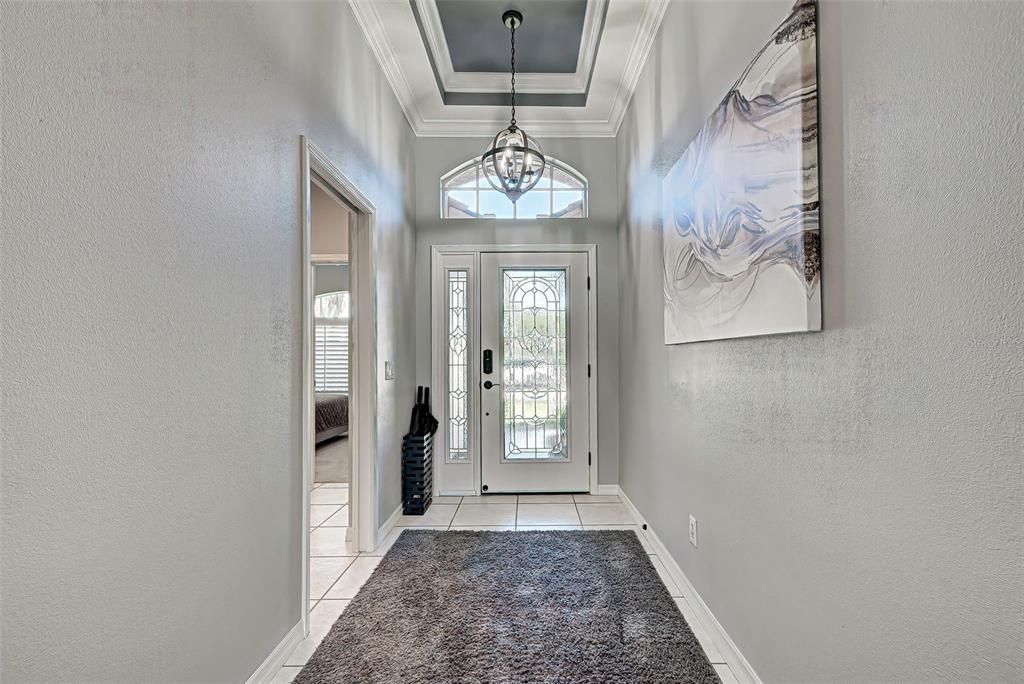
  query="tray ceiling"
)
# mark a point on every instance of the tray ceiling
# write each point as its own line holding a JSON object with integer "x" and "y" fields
{"x": 550, "y": 44}
{"x": 577, "y": 62}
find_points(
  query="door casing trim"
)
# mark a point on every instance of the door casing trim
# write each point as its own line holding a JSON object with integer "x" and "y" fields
{"x": 436, "y": 334}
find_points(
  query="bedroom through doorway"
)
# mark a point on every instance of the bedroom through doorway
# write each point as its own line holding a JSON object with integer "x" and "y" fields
{"x": 330, "y": 509}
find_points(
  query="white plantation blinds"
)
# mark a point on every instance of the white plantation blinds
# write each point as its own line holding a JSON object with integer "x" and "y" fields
{"x": 331, "y": 373}
{"x": 330, "y": 343}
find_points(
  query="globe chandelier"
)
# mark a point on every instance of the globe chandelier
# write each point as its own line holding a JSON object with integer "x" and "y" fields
{"x": 514, "y": 163}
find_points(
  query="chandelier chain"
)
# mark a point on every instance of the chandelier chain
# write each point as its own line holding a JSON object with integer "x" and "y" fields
{"x": 513, "y": 27}
{"x": 514, "y": 163}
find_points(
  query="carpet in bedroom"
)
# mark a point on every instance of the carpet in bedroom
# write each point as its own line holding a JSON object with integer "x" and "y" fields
{"x": 333, "y": 461}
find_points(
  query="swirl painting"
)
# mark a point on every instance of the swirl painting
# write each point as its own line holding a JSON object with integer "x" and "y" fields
{"x": 741, "y": 234}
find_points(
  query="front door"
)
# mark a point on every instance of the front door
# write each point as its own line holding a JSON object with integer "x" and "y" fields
{"x": 534, "y": 384}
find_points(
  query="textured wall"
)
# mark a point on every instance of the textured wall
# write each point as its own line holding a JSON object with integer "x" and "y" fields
{"x": 328, "y": 222}
{"x": 151, "y": 392}
{"x": 858, "y": 491}
{"x": 595, "y": 159}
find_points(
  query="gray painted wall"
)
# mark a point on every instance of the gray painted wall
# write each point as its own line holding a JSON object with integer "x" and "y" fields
{"x": 328, "y": 223}
{"x": 330, "y": 278}
{"x": 595, "y": 159}
{"x": 151, "y": 393}
{"x": 858, "y": 491}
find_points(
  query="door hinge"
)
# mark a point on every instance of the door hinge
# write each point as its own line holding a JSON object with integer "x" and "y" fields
{"x": 588, "y": 282}
{"x": 590, "y": 458}
{"x": 588, "y": 370}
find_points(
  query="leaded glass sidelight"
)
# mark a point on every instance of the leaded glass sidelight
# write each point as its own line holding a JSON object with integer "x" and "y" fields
{"x": 535, "y": 383}
{"x": 458, "y": 366}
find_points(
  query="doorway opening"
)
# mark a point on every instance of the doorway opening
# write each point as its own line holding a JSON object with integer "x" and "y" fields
{"x": 331, "y": 516}
{"x": 514, "y": 367}
{"x": 339, "y": 487}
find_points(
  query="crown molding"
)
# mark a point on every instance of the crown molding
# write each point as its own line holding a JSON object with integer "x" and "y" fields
{"x": 646, "y": 33}
{"x": 373, "y": 28}
{"x": 541, "y": 122}
{"x": 538, "y": 128}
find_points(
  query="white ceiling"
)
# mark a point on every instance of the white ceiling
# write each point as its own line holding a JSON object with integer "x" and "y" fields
{"x": 438, "y": 101}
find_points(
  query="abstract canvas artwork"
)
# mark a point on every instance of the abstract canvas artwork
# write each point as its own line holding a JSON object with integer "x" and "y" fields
{"x": 741, "y": 235}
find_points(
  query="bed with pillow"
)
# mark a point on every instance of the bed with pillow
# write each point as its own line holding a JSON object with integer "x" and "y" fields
{"x": 331, "y": 416}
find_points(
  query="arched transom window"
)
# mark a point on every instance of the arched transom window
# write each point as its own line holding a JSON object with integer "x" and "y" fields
{"x": 561, "y": 193}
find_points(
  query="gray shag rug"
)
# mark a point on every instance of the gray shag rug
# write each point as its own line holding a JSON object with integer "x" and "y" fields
{"x": 545, "y": 606}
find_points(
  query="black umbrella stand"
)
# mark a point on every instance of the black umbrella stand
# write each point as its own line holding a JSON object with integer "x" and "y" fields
{"x": 417, "y": 457}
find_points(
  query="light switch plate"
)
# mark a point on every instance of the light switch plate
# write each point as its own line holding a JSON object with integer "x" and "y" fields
{"x": 389, "y": 370}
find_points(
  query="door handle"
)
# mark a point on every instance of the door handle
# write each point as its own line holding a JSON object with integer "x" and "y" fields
{"x": 488, "y": 384}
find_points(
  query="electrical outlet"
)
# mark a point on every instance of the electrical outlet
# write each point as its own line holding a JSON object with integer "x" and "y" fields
{"x": 693, "y": 531}
{"x": 389, "y": 370}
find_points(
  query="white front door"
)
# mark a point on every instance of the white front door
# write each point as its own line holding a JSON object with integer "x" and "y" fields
{"x": 534, "y": 368}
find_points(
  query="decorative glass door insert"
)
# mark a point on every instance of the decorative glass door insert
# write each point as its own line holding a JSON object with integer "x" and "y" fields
{"x": 535, "y": 360}
{"x": 533, "y": 380}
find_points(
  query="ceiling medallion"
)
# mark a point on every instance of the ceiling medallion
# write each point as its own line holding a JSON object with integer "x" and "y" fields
{"x": 514, "y": 162}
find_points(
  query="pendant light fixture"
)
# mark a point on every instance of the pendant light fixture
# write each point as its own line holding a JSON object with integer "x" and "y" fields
{"x": 514, "y": 162}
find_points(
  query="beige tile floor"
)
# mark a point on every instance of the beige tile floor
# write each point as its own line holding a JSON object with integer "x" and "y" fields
{"x": 337, "y": 571}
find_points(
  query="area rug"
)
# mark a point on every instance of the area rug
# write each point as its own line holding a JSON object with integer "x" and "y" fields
{"x": 545, "y": 606}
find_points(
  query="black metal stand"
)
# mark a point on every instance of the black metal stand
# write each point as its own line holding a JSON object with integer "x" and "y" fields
{"x": 417, "y": 474}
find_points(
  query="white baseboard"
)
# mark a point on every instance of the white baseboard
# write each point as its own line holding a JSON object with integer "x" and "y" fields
{"x": 266, "y": 672}
{"x": 608, "y": 489}
{"x": 387, "y": 526}
{"x": 737, "y": 663}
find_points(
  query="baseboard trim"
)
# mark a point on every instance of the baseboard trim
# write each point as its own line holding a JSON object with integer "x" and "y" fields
{"x": 387, "y": 526}
{"x": 608, "y": 489}
{"x": 739, "y": 664}
{"x": 266, "y": 672}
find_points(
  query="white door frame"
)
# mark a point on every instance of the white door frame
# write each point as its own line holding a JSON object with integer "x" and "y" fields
{"x": 363, "y": 356}
{"x": 437, "y": 333}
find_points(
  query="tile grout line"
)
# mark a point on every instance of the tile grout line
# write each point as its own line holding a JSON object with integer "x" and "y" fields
{"x": 317, "y": 527}
{"x": 343, "y": 507}
{"x": 338, "y": 579}
{"x": 454, "y": 515}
